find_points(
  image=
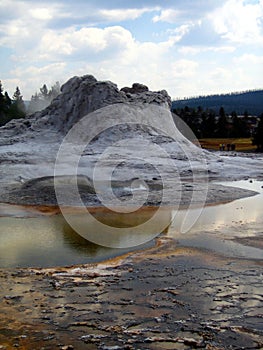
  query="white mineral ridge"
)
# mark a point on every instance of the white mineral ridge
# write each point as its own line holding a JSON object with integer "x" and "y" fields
{"x": 29, "y": 147}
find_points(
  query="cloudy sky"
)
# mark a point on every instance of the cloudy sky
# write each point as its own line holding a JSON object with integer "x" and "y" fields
{"x": 188, "y": 47}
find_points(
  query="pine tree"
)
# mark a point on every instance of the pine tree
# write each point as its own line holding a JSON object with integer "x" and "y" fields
{"x": 239, "y": 126}
{"x": 222, "y": 130}
{"x": 54, "y": 91}
{"x": 258, "y": 136}
{"x": 44, "y": 93}
{"x": 2, "y": 99}
{"x": 42, "y": 99}
{"x": 8, "y": 100}
{"x": 11, "y": 109}
{"x": 34, "y": 104}
{"x": 208, "y": 124}
{"x": 18, "y": 101}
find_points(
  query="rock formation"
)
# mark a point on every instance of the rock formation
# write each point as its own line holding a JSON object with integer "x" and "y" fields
{"x": 79, "y": 96}
{"x": 29, "y": 147}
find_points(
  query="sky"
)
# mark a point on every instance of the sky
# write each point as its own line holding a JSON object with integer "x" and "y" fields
{"x": 187, "y": 47}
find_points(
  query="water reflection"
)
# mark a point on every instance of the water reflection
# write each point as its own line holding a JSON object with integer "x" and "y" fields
{"x": 49, "y": 241}
{"x": 120, "y": 230}
{"x": 246, "y": 210}
{"x": 218, "y": 225}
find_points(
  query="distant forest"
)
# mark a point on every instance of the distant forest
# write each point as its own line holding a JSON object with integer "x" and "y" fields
{"x": 246, "y": 102}
{"x": 235, "y": 115}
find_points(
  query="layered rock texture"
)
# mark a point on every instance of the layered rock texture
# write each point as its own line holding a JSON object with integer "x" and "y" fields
{"x": 79, "y": 96}
{"x": 130, "y": 131}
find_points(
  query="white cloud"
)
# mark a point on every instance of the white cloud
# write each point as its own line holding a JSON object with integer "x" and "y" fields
{"x": 25, "y": 23}
{"x": 86, "y": 43}
{"x": 249, "y": 59}
{"x": 184, "y": 69}
{"x": 220, "y": 74}
{"x": 121, "y": 15}
{"x": 194, "y": 53}
{"x": 188, "y": 50}
{"x": 223, "y": 49}
{"x": 109, "y": 53}
{"x": 41, "y": 13}
{"x": 242, "y": 72}
{"x": 168, "y": 15}
{"x": 178, "y": 33}
{"x": 239, "y": 21}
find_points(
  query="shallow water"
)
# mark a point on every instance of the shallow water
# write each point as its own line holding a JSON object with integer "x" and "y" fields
{"x": 49, "y": 241}
{"x": 218, "y": 226}
{"x": 245, "y": 210}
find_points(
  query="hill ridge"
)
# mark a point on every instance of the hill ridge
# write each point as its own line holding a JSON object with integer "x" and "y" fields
{"x": 250, "y": 101}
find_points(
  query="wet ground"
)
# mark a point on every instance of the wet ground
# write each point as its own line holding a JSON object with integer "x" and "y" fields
{"x": 167, "y": 297}
{"x": 201, "y": 290}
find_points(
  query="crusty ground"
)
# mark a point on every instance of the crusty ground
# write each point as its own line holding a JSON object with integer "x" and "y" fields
{"x": 166, "y": 297}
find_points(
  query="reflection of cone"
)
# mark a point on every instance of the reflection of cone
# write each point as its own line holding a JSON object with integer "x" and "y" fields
{"x": 120, "y": 230}
{"x": 136, "y": 165}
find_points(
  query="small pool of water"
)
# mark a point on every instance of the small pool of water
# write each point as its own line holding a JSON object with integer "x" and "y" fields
{"x": 218, "y": 226}
{"x": 28, "y": 239}
{"x": 245, "y": 210}
{"x": 48, "y": 241}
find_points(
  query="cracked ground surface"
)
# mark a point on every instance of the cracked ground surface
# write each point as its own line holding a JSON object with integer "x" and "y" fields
{"x": 166, "y": 297}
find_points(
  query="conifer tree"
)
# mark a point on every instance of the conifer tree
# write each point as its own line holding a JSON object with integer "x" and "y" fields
{"x": 18, "y": 100}
{"x": 42, "y": 99}
{"x": 2, "y": 99}
{"x": 222, "y": 130}
{"x": 258, "y": 136}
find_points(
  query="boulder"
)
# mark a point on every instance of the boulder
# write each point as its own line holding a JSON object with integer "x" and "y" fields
{"x": 136, "y": 88}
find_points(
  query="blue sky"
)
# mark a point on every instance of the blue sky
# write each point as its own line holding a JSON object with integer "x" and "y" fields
{"x": 188, "y": 47}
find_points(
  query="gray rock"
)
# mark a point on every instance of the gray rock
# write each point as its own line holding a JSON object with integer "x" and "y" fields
{"x": 29, "y": 146}
{"x": 135, "y": 89}
{"x": 79, "y": 96}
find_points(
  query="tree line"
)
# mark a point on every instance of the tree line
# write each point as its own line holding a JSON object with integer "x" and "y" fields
{"x": 15, "y": 107}
{"x": 11, "y": 108}
{"x": 211, "y": 124}
{"x": 251, "y": 100}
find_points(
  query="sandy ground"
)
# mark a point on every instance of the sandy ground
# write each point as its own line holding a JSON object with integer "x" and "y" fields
{"x": 167, "y": 297}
